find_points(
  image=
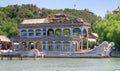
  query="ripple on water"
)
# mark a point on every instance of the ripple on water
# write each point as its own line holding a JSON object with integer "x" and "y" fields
{"x": 61, "y": 64}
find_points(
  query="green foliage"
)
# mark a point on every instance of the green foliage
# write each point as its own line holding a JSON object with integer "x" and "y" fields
{"x": 91, "y": 45}
{"x": 58, "y": 32}
{"x": 66, "y": 32}
{"x": 51, "y": 33}
{"x": 9, "y": 29}
{"x": 84, "y": 43}
{"x": 108, "y": 28}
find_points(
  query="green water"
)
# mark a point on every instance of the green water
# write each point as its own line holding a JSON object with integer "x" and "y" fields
{"x": 61, "y": 64}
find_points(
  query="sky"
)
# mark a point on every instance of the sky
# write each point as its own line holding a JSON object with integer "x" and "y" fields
{"x": 98, "y": 7}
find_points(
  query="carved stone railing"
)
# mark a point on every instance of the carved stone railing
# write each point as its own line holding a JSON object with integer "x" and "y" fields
{"x": 103, "y": 49}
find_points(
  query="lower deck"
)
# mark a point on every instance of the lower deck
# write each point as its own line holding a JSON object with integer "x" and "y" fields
{"x": 67, "y": 46}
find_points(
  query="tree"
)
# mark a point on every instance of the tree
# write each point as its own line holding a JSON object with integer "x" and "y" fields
{"x": 108, "y": 28}
{"x": 9, "y": 29}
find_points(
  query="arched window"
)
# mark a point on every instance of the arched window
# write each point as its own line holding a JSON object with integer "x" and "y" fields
{"x": 44, "y": 31}
{"x": 44, "y": 46}
{"x": 58, "y": 32}
{"x": 24, "y": 46}
{"x": 50, "y": 46}
{"x": 31, "y": 32}
{"x": 31, "y": 45}
{"x": 38, "y": 32}
{"x": 66, "y": 32}
{"x": 23, "y": 33}
{"x": 58, "y": 46}
{"x": 50, "y": 32}
{"x": 66, "y": 46}
{"x": 84, "y": 31}
{"x": 76, "y": 32}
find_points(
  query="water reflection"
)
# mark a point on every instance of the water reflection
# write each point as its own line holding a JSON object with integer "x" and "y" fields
{"x": 61, "y": 64}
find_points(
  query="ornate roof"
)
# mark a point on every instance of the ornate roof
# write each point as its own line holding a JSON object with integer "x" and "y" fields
{"x": 117, "y": 10}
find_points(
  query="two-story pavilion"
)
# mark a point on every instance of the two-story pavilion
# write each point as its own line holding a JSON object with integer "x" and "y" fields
{"x": 52, "y": 34}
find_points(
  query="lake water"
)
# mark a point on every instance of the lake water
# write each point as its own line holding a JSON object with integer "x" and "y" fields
{"x": 61, "y": 64}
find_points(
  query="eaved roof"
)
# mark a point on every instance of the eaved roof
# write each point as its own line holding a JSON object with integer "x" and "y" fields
{"x": 117, "y": 10}
{"x": 95, "y": 34}
{"x": 35, "y": 21}
{"x": 4, "y": 39}
{"x": 93, "y": 37}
